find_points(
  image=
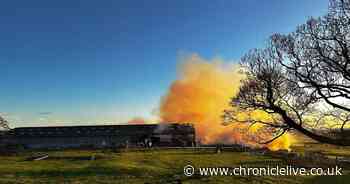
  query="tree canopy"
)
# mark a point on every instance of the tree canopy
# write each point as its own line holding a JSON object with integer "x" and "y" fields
{"x": 302, "y": 80}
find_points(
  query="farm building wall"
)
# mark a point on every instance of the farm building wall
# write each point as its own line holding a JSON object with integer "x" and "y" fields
{"x": 102, "y": 136}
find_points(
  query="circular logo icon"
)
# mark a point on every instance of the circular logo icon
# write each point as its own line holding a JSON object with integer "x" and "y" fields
{"x": 188, "y": 170}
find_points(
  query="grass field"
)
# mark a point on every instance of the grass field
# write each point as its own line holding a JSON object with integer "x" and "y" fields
{"x": 140, "y": 166}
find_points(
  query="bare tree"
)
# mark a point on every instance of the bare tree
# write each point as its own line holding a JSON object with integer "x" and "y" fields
{"x": 302, "y": 80}
{"x": 318, "y": 55}
{"x": 268, "y": 88}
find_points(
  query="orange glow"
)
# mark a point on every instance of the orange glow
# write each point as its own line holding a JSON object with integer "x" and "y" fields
{"x": 137, "y": 121}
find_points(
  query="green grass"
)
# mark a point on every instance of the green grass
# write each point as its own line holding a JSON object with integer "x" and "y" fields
{"x": 139, "y": 166}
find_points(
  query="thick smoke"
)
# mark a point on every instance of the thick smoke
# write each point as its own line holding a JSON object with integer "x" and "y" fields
{"x": 200, "y": 95}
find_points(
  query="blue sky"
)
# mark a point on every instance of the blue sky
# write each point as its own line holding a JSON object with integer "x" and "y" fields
{"x": 84, "y": 62}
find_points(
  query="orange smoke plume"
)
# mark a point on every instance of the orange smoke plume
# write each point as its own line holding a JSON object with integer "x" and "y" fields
{"x": 200, "y": 95}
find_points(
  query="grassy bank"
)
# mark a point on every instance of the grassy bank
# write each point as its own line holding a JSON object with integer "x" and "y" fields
{"x": 139, "y": 166}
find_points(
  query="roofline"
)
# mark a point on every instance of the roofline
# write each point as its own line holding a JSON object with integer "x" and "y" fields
{"x": 112, "y": 125}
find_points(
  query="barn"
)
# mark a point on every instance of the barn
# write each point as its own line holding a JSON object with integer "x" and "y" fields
{"x": 102, "y": 136}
